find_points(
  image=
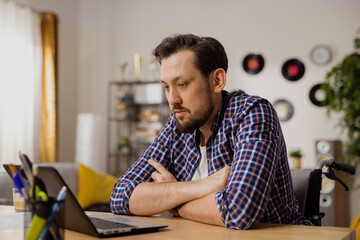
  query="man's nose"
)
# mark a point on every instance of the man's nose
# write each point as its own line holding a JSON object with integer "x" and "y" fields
{"x": 173, "y": 97}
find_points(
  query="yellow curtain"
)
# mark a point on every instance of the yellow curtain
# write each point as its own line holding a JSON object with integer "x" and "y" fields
{"x": 48, "y": 127}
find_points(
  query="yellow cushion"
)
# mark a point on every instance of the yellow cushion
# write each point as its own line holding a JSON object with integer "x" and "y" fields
{"x": 356, "y": 224}
{"x": 94, "y": 187}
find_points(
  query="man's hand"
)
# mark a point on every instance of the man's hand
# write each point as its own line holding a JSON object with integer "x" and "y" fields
{"x": 161, "y": 174}
{"x": 217, "y": 181}
{"x": 204, "y": 209}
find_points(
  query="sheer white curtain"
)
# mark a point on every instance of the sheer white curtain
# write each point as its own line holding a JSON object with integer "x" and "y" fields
{"x": 20, "y": 81}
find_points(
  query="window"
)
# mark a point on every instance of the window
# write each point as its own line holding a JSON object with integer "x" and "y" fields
{"x": 20, "y": 81}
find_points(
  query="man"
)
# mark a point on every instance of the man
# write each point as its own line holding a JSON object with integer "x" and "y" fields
{"x": 220, "y": 159}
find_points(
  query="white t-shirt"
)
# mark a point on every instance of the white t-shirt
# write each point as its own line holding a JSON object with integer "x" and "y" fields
{"x": 202, "y": 170}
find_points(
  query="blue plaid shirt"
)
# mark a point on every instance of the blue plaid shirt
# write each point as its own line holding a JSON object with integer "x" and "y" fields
{"x": 246, "y": 135}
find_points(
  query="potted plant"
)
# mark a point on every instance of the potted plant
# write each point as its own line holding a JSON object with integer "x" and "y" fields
{"x": 342, "y": 95}
{"x": 295, "y": 158}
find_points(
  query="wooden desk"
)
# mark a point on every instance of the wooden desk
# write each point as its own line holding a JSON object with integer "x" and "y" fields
{"x": 184, "y": 229}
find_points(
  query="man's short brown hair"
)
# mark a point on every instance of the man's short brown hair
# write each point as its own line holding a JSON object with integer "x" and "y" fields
{"x": 209, "y": 53}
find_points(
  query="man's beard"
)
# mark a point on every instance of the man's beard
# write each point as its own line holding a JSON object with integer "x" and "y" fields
{"x": 200, "y": 117}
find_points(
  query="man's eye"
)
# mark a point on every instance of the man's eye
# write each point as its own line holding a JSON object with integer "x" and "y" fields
{"x": 181, "y": 85}
{"x": 166, "y": 88}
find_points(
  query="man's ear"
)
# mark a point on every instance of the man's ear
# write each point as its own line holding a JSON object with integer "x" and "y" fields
{"x": 219, "y": 80}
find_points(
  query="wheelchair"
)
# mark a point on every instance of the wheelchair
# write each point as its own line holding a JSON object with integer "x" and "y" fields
{"x": 311, "y": 208}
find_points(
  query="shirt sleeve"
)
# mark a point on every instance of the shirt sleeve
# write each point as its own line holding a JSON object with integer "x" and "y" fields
{"x": 140, "y": 171}
{"x": 256, "y": 152}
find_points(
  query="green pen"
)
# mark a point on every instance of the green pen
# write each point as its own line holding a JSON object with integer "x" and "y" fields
{"x": 37, "y": 225}
{"x": 42, "y": 210}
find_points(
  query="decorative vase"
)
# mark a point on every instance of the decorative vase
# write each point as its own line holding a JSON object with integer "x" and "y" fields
{"x": 295, "y": 162}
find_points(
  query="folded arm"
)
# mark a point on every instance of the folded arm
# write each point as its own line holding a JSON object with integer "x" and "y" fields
{"x": 151, "y": 198}
{"x": 165, "y": 193}
{"x": 202, "y": 210}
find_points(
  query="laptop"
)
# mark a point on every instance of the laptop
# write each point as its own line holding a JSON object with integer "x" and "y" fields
{"x": 98, "y": 225}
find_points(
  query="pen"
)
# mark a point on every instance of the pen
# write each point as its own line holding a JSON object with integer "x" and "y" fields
{"x": 42, "y": 208}
{"x": 38, "y": 191}
{"x": 12, "y": 169}
{"x": 37, "y": 180}
{"x": 38, "y": 194}
{"x": 26, "y": 196}
{"x": 38, "y": 222}
{"x": 27, "y": 165}
{"x": 16, "y": 179}
{"x": 60, "y": 197}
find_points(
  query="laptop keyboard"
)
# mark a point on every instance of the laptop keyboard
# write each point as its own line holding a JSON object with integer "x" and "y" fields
{"x": 106, "y": 224}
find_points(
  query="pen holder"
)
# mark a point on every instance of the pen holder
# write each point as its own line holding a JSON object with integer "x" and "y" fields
{"x": 44, "y": 219}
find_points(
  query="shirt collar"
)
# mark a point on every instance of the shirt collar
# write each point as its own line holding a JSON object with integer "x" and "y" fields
{"x": 219, "y": 117}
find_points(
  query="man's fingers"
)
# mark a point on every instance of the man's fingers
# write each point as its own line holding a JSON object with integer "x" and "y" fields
{"x": 158, "y": 166}
{"x": 157, "y": 177}
{"x": 216, "y": 181}
{"x": 161, "y": 174}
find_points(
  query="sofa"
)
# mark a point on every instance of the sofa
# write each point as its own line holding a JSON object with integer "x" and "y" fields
{"x": 70, "y": 173}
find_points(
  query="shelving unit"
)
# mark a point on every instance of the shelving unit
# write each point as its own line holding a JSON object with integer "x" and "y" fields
{"x": 136, "y": 112}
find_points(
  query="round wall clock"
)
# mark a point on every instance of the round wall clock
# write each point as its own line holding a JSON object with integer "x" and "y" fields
{"x": 321, "y": 54}
{"x": 323, "y": 146}
{"x": 284, "y": 109}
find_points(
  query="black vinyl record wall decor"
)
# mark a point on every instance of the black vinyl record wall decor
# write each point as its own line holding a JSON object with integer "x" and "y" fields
{"x": 253, "y": 63}
{"x": 317, "y": 96}
{"x": 293, "y": 70}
